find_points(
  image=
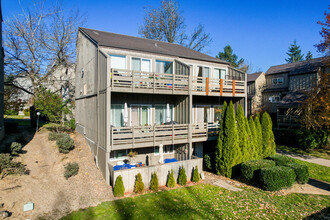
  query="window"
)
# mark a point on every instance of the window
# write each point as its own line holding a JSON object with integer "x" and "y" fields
{"x": 164, "y": 67}
{"x": 202, "y": 114}
{"x": 217, "y": 113}
{"x": 219, "y": 73}
{"x": 117, "y": 115}
{"x": 168, "y": 149}
{"x": 274, "y": 99}
{"x": 203, "y": 71}
{"x": 140, "y": 115}
{"x": 118, "y": 62}
{"x": 139, "y": 64}
{"x": 161, "y": 114}
{"x": 120, "y": 154}
{"x": 276, "y": 81}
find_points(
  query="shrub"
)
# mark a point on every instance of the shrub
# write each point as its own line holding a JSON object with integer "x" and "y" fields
{"x": 171, "y": 180}
{"x": 154, "y": 185}
{"x": 251, "y": 169}
{"x": 207, "y": 162}
{"x": 276, "y": 178}
{"x": 72, "y": 124}
{"x": 218, "y": 161}
{"x": 301, "y": 171}
{"x": 15, "y": 148}
{"x": 254, "y": 140}
{"x": 119, "y": 189}
{"x": 65, "y": 144}
{"x": 7, "y": 166}
{"x": 71, "y": 169}
{"x": 281, "y": 160}
{"x": 139, "y": 185}
{"x": 26, "y": 112}
{"x": 259, "y": 145}
{"x": 196, "y": 175}
{"x": 182, "y": 179}
{"x": 268, "y": 140}
{"x": 312, "y": 139}
{"x": 53, "y": 136}
{"x": 244, "y": 144}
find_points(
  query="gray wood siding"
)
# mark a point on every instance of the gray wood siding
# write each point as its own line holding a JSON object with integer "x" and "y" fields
{"x": 300, "y": 82}
{"x": 270, "y": 85}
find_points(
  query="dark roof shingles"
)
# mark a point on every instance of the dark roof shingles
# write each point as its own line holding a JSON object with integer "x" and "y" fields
{"x": 253, "y": 76}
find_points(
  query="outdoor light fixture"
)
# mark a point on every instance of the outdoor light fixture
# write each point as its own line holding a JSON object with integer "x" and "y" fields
{"x": 38, "y": 113}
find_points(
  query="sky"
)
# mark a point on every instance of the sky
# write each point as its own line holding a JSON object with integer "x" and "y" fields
{"x": 258, "y": 31}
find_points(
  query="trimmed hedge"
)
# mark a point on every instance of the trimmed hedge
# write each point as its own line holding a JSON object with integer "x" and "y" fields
{"x": 251, "y": 169}
{"x": 301, "y": 171}
{"x": 281, "y": 160}
{"x": 277, "y": 177}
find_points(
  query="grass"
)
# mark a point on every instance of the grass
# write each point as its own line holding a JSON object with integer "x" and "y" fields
{"x": 207, "y": 202}
{"x": 321, "y": 153}
{"x": 14, "y": 116}
{"x": 316, "y": 171}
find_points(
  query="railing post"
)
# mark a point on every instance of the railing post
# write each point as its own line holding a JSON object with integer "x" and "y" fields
{"x": 154, "y": 84}
{"x": 234, "y": 82}
{"x": 132, "y": 137}
{"x": 207, "y": 85}
{"x": 111, "y": 140}
{"x": 221, "y": 87}
{"x": 133, "y": 83}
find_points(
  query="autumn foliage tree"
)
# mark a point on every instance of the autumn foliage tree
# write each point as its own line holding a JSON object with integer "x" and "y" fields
{"x": 324, "y": 46}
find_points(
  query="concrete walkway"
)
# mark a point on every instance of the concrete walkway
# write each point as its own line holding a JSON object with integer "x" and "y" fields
{"x": 310, "y": 159}
{"x": 221, "y": 181}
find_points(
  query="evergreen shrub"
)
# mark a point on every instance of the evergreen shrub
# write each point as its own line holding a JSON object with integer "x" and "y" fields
{"x": 119, "y": 189}
{"x": 15, "y": 148}
{"x": 65, "y": 144}
{"x": 139, "y": 185}
{"x": 53, "y": 136}
{"x": 171, "y": 180}
{"x": 196, "y": 177}
{"x": 207, "y": 162}
{"x": 268, "y": 140}
{"x": 301, "y": 171}
{"x": 276, "y": 178}
{"x": 182, "y": 179}
{"x": 251, "y": 169}
{"x": 281, "y": 160}
{"x": 71, "y": 169}
{"x": 154, "y": 185}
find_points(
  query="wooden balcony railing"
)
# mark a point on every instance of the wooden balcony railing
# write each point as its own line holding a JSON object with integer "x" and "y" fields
{"x": 289, "y": 120}
{"x": 162, "y": 83}
{"x": 153, "y": 135}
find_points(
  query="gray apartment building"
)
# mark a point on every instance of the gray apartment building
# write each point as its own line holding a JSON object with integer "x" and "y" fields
{"x": 255, "y": 86}
{"x": 286, "y": 87}
{"x": 160, "y": 100}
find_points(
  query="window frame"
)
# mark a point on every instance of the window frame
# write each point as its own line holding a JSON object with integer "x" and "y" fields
{"x": 150, "y": 120}
{"x": 277, "y": 81}
{"x": 141, "y": 58}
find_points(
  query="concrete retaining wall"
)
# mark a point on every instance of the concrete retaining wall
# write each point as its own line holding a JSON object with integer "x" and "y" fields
{"x": 162, "y": 170}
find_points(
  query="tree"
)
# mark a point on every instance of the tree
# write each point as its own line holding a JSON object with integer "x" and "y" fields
{"x": 196, "y": 178}
{"x": 38, "y": 41}
{"x": 219, "y": 148}
{"x": 171, "y": 180}
{"x": 253, "y": 140}
{"x": 139, "y": 185}
{"x": 324, "y": 46}
{"x": 294, "y": 53}
{"x": 167, "y": 24}
{"x": 182, "y": 179}
{"x": 258, "y": 135}
{"x": 229, "y": 56}
{"x": 309, "y": 56}
{"x": 268, "y": 140}
{"x": 154, "y": 184}
{"x": 230, "y": 152}
{"x": 119, "y": 189}
{"x": 243, "y": 136}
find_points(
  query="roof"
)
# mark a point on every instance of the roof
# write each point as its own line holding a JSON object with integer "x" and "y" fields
{"x": 306, "y": 66}
{"x": 253, "y": 76}
{"x": 108, "y": 39}
{"x": 293, "y": 98}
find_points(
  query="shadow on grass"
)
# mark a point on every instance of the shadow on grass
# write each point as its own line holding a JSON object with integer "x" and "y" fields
{"x": 319, "y": 184}
{"x": 323, "y": 214}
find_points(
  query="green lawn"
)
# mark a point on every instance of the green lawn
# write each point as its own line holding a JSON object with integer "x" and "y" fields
{"x": 321, "y": 153}
{"x": 14, "y": 116}
{"x": 316, "y": 171}
{"x": 207, "y": 202}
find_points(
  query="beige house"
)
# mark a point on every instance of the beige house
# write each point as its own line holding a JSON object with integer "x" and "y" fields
{"x": 160, "y": 100}
{"x": 256, "y": 83}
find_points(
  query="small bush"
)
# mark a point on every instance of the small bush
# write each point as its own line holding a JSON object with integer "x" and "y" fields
{"x": 207, "y": 162}
{"x": 154, "y": 185}
{"x": 139, "y": 185}
{"x": 119, "y": 189}
{"x": 71, "y": 124}
{"x": 251, "y": 169}
{"x": 53, "y": 136}
{"x": 26, "y": 112}
{"x": 276, "y": 178}
{"x": 301, "y": 171}
{"x": 65, "y": 144}
{"x": 281, "y": 160}
{"x": 312, "y": 139}
{"x": 7, "y": 166}
{"x": 71, "y": 169}
{"x": 171, "y": 180}
{"x": 182, "y": 180}
{"x": 15, "y": 148}
{"x": 196, "y": 175}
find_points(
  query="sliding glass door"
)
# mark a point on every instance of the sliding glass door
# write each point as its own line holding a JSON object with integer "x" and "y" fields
{"x": 161, "y": 114}
{"x": 140, "y": 115}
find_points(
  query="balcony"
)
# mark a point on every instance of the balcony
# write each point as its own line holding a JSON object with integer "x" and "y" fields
{"x": 289, "y": 120}
{"x": 154, "y": 135}
{"x": 161, "y": 83}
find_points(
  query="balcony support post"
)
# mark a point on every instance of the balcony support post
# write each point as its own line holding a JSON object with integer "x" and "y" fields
{"x": 221, "y": 87}
{"x": 234, "y": 85}
{"x": 190, "y": 115}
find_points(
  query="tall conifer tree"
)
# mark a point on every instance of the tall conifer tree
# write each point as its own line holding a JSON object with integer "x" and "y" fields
{"x": 294, "y": 53}
{"x": 268, "y": 140}
{"x": 218, "y": 152}
{"x": 250, "y": 144}
{"x": 259, "y": 146}
{"x": 256, "y": 154}
{"x": 243, "y": 136}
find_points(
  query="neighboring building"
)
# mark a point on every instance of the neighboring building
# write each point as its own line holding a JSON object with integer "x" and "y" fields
{"x": 255, "y": 85}
{"x": 285, "y": 89}
{"x": 2, "y": 127}
{"x": 151, "y": 97}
